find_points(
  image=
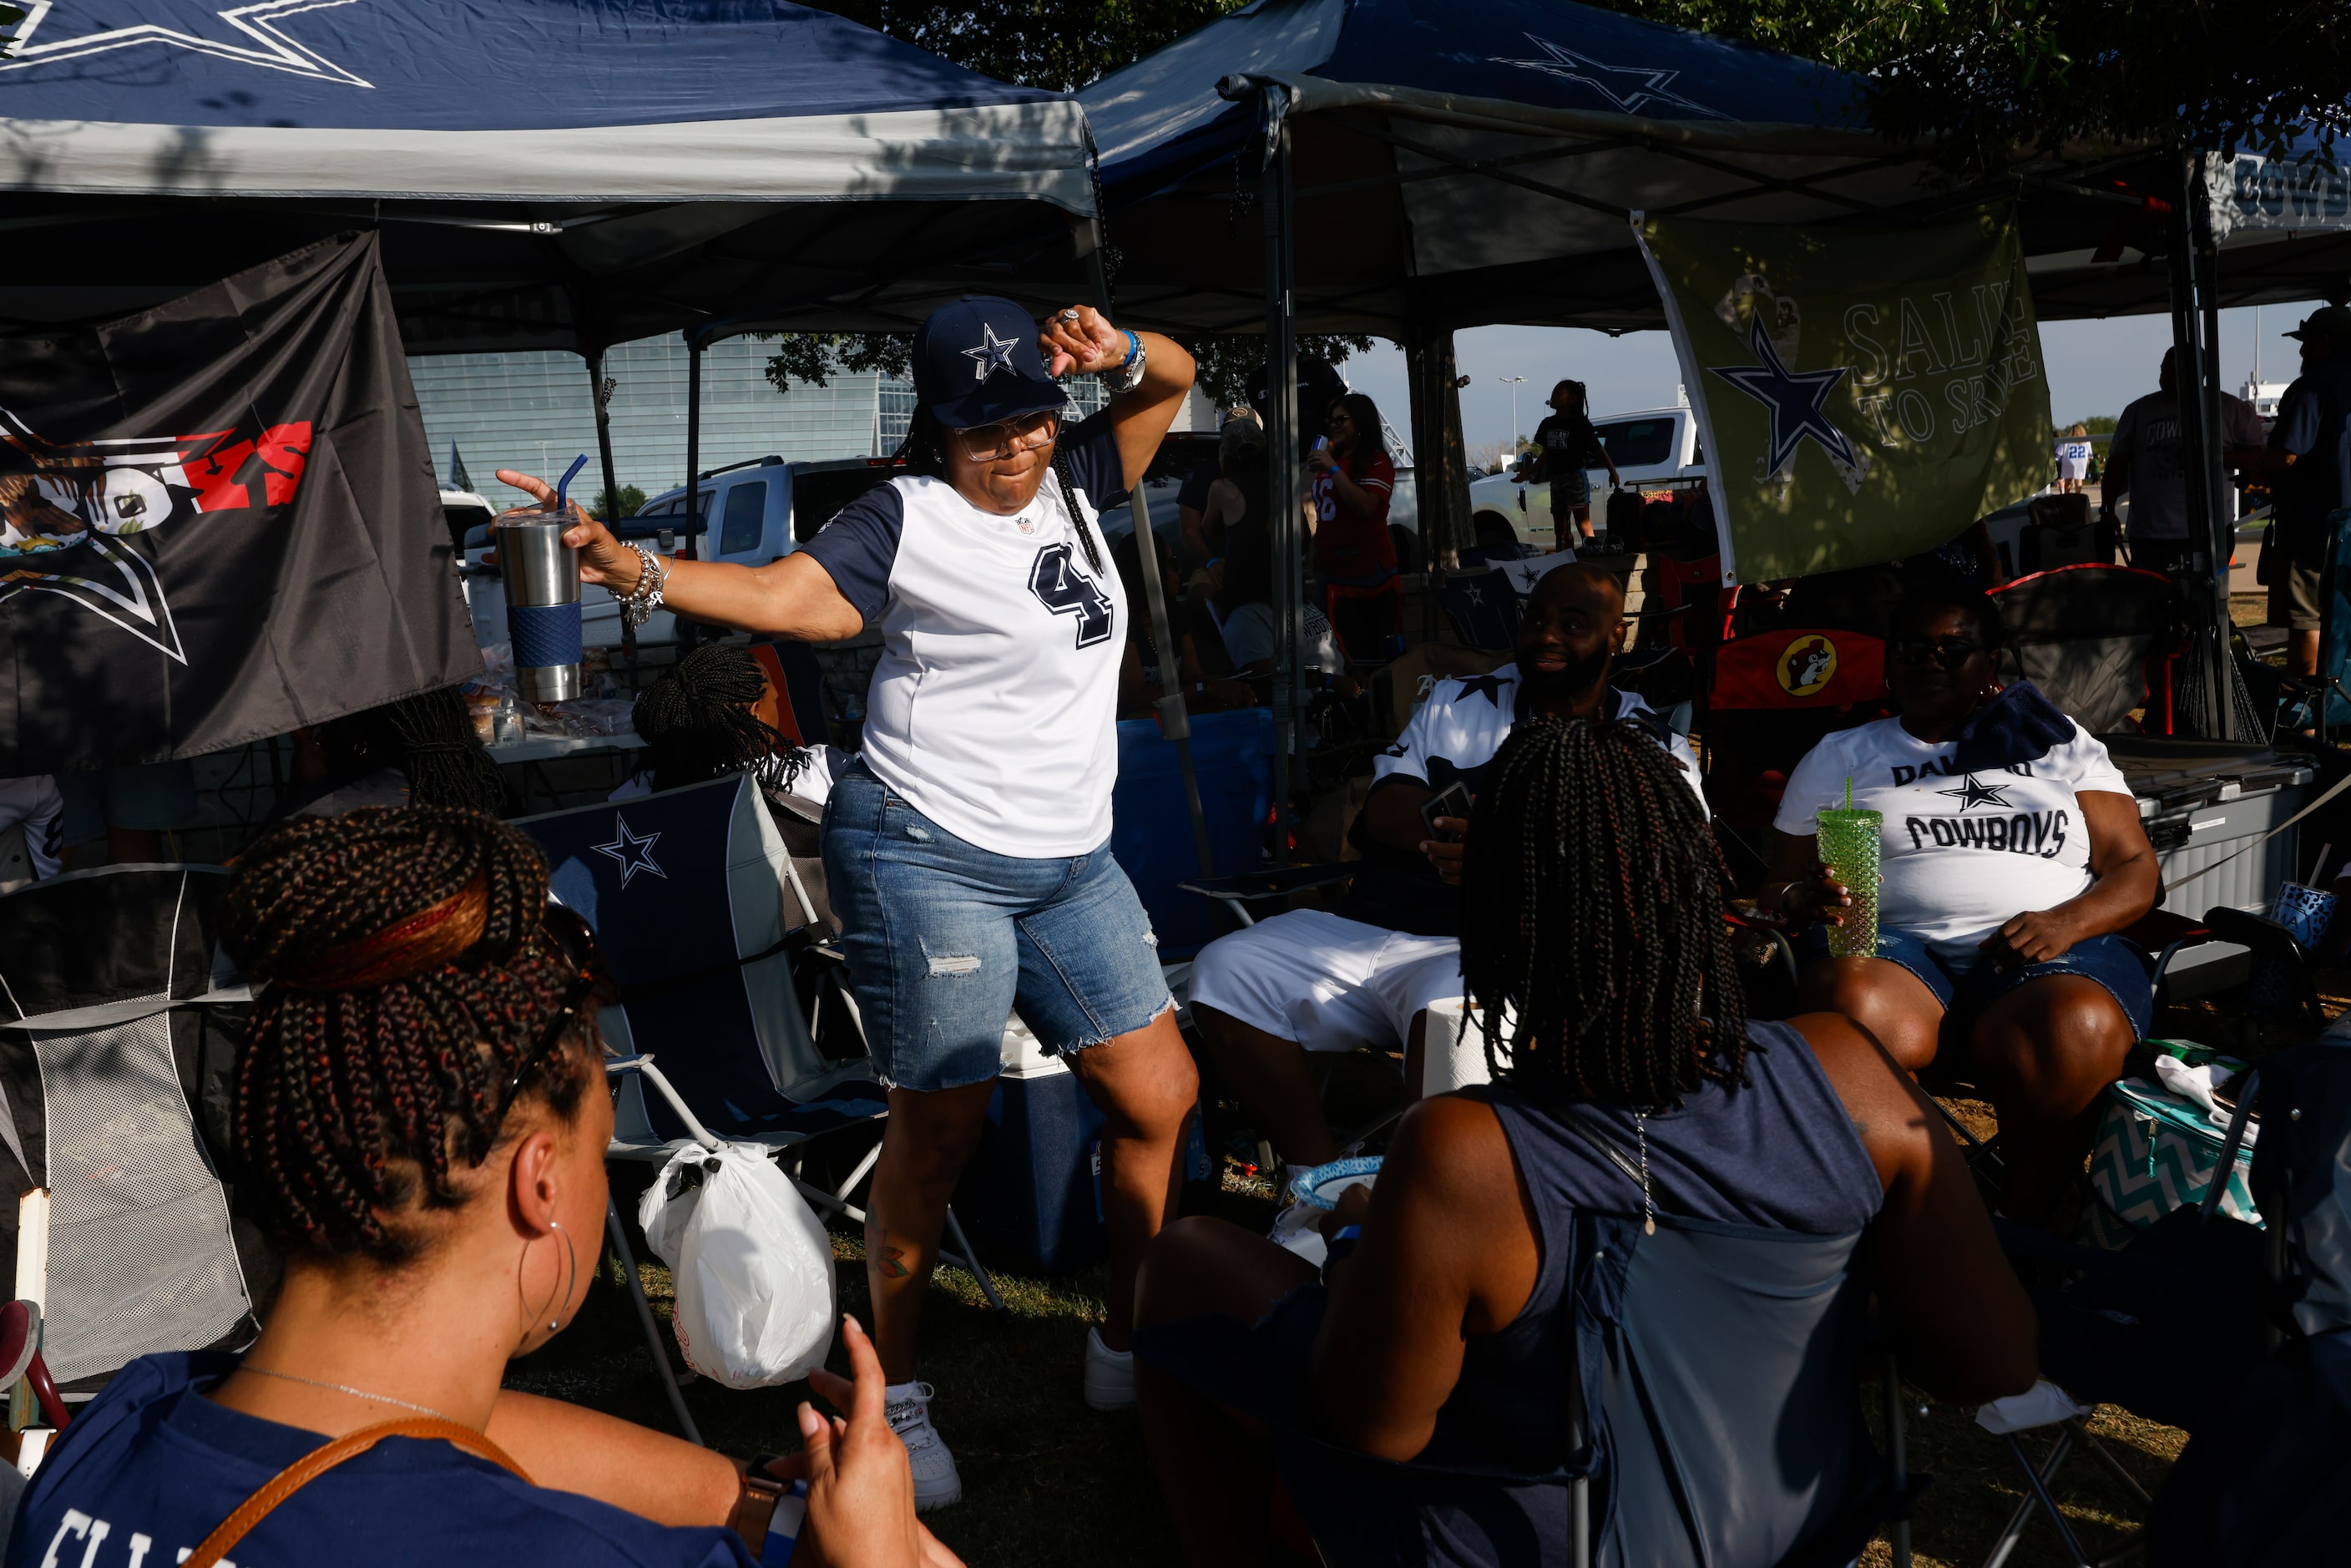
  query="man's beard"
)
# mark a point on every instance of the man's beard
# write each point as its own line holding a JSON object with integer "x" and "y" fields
{"x": 1572, "y": 682}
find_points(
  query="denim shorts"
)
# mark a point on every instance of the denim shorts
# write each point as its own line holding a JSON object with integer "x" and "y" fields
{"x": 1965, "y": 989}
{"x": 946, "y": 940}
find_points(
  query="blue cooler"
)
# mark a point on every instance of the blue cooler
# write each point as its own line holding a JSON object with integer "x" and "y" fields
{"x": 1030, "y": 1200}
{"x": 1151, "y": 832}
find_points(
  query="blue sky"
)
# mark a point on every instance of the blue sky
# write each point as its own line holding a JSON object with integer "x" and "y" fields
{"x": 2094, "y": 367}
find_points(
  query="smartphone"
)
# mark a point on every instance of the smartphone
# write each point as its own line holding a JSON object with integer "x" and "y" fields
{"x": 1453, "y": 800}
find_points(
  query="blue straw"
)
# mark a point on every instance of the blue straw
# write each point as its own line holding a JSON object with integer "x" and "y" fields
{"x": 563, "y": 485}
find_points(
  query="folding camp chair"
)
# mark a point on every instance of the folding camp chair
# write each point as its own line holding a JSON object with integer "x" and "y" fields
{"x": 2119, "y": 1333}
{"x": 1764, "y": 700}
{"x": 695, "y": 902}
{"x": 2099, "y": 641}
{"x": 1483, "y": 608}
{"x": 121, "y": 1029}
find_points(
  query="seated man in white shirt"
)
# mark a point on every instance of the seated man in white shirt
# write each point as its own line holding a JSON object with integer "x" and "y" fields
{"x": 1311, "y": 980}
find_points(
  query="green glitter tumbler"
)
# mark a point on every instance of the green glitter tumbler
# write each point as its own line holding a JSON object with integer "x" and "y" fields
{"x": 1849, "y": 842}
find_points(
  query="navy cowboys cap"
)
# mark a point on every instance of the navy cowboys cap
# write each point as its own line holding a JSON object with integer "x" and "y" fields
{"x": 977, "y": 361}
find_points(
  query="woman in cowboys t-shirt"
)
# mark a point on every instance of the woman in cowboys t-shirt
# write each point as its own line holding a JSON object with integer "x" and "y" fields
{"x": 968, "y": 854}
{"x": 2012, "y": 856}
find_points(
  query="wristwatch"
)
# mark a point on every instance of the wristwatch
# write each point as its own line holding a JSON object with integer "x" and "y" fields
{"x": 1129, "y": 374}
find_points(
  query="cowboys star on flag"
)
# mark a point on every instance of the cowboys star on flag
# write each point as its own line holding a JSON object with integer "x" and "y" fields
{"x": 1796, "y": 400}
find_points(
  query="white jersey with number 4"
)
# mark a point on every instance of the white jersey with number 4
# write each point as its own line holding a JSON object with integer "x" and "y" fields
{"x": 994, "y": 709}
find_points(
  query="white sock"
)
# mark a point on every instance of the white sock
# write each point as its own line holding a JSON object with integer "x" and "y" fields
{"x": 901, "y": 1393}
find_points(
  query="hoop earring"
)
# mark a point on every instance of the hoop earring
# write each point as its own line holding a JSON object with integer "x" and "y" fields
{"x": 554, "y": 1323}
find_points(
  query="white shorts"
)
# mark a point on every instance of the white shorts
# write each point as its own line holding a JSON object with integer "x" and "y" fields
{"x": 2072, "y": 468}
{"x": 35, "y": 801}
{"x": 1327, "y": 983}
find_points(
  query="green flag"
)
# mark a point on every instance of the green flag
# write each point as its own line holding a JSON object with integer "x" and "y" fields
{"x": 1866, "y": 391}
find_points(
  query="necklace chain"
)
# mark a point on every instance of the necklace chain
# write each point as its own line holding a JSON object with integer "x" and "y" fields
{"x": 1648, "y": 1207}
{"x": 354, "y": 1393}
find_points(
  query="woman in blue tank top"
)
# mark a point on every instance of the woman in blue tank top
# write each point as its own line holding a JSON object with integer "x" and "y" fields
{"x": 1635, "y": 1109}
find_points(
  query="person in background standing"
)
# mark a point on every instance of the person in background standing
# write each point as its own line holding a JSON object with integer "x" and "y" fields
{"x": 1352, "y": 479}
{"x": 1237, "y": 495}
{"x": 2309, "y": 459}
{"x": 1196, "y": 505}
{"x": 1565, "y": 446}
{"x": 2145, "y": 462}
{"x": 2073, "y": 460}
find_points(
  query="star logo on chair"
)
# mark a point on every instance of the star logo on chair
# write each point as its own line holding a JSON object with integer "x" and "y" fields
{"x": 631, "y": 851}
{"x": 1970, "y": 794}
{"x": 1629, "y": 90}
{"x": 1796, "y": 399}
{"x": 992, "y": 354}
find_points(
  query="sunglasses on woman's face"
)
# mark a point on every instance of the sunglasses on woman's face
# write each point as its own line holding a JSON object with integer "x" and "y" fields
{"x": 1007, "y": 437}
{"x": 1948, "y": 652}
{"x": 578, "y": 945}
{"x": 1340, "y": 416}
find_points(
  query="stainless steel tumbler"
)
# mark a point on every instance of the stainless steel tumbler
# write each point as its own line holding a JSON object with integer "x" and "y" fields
{"x": 542, "y": 584}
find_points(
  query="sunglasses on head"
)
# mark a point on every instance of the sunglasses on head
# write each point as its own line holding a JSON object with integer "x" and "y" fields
{"x": 1947, "y": 652}
{"x": 577, "y": 944}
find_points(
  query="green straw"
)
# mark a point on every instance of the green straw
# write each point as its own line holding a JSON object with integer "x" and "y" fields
{"x": 1848, "y": 791}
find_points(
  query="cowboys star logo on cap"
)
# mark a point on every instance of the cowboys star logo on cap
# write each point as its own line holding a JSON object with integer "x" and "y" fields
{"x": 992, "y": 355}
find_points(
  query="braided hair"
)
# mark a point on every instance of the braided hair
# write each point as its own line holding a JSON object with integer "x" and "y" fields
{"x": 409, "y": 977}
{"x": 697, "y": 721}
{"x": 1592, "y": 902}
{"x": 428, "y": 737}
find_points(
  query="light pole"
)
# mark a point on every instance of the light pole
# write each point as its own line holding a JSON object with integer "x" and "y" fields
{"x": 1514, "y": 383}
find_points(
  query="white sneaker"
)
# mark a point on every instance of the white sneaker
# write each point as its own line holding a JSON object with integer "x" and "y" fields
{"x": 937, "y": 1484}
{"x": 1109, "y": 1375}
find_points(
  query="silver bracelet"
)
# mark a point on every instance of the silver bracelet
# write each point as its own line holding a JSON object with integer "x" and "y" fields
{"x": 1128, "y": 376}
{"x": 639, "y": 603}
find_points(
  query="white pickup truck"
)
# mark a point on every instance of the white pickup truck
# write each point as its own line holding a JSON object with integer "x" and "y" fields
{"x": 1652, "y": 447}
{"x": 765, "y": 508}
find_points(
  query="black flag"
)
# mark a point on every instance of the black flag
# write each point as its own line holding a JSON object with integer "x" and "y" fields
{"x": 218, "y": 520}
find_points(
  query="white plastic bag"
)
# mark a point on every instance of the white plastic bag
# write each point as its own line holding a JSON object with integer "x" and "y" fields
{"x": 752, "y": 1264}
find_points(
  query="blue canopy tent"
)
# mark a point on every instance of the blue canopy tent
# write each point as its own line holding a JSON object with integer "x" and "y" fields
{"x": 1408, "y": 168}
{"x": 548, "y": 173}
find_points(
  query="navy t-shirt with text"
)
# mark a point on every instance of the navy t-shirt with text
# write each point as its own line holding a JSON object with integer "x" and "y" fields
{"x": 151, "y": 1467}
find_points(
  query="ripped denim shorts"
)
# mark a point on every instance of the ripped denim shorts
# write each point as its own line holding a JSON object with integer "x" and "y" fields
{"x": 946, "y": 940}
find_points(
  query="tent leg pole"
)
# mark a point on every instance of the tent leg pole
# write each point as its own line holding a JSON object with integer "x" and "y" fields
{"x": 611, "y": 490}
{"x": 2209, "y": 653}
{"x": 1174, "y": 722}
{"x": 689, "y": 535}
{"x": 1282, "y": 440}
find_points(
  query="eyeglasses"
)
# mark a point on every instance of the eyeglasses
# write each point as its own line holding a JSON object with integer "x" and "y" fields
{"x": 577, "y": 943}
{"x": 1340, "y": 416}
{"x": 1007, "y": 437}
{"x": 1947, "y": 652}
